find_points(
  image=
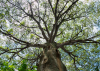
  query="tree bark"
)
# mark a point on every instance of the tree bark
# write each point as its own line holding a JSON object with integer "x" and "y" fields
{"x": 51, "y": 61}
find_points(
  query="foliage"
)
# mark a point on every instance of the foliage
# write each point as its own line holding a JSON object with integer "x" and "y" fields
{"x": 24, "y": 67}
{"x": 5, "y": 66}
{"x": 27, "y": 26}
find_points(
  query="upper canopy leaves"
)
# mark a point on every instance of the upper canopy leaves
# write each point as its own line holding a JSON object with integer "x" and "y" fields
{"x": 32, "y": 23}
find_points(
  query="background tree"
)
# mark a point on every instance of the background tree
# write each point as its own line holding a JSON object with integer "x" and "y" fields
{"x": 29, "y": 26}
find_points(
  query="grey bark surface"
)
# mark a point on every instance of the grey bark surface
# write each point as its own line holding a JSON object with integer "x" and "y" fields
{"x": 51, "y": 61}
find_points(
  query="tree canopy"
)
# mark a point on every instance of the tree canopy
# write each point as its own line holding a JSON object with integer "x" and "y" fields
{"x": 27, "y": 26}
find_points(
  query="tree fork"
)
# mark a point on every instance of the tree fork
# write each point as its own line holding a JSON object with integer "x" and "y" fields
{"x": 50, "y": 60}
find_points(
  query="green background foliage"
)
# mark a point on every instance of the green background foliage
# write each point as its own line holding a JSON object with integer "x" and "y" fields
{"x": 18, "y": 29}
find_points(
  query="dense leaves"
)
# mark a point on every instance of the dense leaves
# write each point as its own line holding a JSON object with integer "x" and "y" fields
{"x": 27, "y": 26}
{"x": 5, "y": 66}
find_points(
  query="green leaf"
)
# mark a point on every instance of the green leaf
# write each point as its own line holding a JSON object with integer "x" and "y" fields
{"x": 11, "y": 66}
{"x": 10, "y": 31}
{"x": 1, "y": 47}
{"x": 34, "y": 66}
{"x": 7, "y": 12}
{"x": 31, "y": 36}
{"x": 1, "y": 15}
{"x": 28, "y": 30}
{"x": 23, "y": 66}
{"x": 22, "y": 23}
{"x": 97, "y": 68}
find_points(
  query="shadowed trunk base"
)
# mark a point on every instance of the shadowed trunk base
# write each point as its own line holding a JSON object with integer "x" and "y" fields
{"x": 51, "y": 61}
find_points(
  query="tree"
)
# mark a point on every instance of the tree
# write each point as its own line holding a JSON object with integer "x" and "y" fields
{"x": 37, "y": 30}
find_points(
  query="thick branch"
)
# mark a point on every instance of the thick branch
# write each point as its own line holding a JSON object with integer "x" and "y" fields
{"x": 35, "y": 59}
{"x": 71, "y": 42}
{"x": 55, "y": 27}
{"x": 56, "y": 8}
{"x": 73, "y": 3}
{"x": 31, "y": 8}
{"x": 30, "y": 15}
{"x": 39, "y": 26}
{"x": 21, "y": 41}
{"x": 45, "y": 25}
{"x": 51, "y": 6}
{"x": 70, "y": 53}
{"x": 55, "y": 33}
{"x": 62, "y": 8}
{"x": 19, "y": 51}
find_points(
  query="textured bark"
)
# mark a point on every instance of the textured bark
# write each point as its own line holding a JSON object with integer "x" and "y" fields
{"x": 51, "y": 61}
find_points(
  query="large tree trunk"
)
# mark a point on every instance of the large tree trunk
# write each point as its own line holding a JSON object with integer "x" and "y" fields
{"x": 51, "y": 61}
